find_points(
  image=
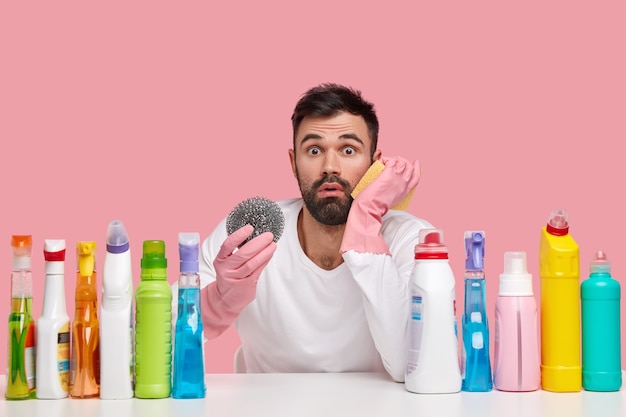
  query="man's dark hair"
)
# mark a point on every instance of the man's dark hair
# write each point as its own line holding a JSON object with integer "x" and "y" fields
{"x": 330, "y": 99}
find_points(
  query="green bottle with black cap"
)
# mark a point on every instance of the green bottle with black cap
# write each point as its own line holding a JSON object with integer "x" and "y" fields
{"x": 153, "y": 327}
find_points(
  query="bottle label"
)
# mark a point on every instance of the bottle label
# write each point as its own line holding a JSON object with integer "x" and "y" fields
{"x": 153, "y": 348}
{"x": 415, "y": 333}
{"x": 85, "y": 351}
{"x": 416, "y": 308}
{"x": 131, "y": 364}
{"x": 63, "y": 356}
{"x": 29, "y": 356}
{"x": 21, "y": 357}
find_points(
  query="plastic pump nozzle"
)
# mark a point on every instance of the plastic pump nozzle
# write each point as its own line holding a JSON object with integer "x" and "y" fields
{"x": 86, "y": 254}
{"x": 600, "y": 263}
{"x": 54, "y": 255}
{"x": 117, "y": 274}
{"x": 188, "y": 244}
{"x": 474, "y": 250}
{"x": 117, "y": 237}
{"x": 21, "y": 248}
{"x": 515, "y": 280}
{"x": 558, "y": 222}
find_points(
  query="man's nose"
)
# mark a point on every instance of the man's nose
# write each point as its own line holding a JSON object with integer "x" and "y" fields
{"x": 331, "y": 164}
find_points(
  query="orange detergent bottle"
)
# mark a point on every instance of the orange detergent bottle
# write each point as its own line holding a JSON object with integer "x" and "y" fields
{"x": 85, "y": 355}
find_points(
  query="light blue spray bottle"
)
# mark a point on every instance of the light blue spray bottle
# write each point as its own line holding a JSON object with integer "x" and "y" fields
{"x": 476, "y": 363}
{"x": 188, "y": 375}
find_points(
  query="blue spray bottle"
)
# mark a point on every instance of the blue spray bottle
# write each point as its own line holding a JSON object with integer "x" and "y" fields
{"x": 476, "y": 362}
{"x": 188, "y": 375}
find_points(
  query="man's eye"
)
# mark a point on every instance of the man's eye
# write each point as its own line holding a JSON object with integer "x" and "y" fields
{"x": 313, "y": 151}
{"x": 349, "y": 150}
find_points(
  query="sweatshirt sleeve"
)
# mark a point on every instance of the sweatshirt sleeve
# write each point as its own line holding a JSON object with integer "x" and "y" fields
{"x": 384, "y": 282}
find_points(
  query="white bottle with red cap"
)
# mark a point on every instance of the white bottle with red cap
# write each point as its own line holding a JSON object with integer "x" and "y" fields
{"x": 53, "y": 327}
{"x": 433, "y": 361}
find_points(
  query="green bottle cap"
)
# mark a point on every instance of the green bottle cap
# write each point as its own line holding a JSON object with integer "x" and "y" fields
{"x": 153, "y": 254}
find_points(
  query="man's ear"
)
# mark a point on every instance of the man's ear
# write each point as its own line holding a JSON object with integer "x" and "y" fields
{"x": 292, "y": 160}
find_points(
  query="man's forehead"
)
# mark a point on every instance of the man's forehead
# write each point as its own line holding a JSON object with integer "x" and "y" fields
{"x": 337, "y": 124}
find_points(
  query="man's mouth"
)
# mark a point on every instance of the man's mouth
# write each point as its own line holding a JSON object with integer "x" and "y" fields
{"x": 330, "y": 189}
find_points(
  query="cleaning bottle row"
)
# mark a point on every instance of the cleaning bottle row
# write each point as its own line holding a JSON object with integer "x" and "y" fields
{"x": 114, "y": 355}
{"x": 569, "y": 308}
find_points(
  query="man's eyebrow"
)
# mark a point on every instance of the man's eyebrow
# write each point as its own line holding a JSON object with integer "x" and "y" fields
{"x": 312, "y": 136}
{"x": 353, "y": 136}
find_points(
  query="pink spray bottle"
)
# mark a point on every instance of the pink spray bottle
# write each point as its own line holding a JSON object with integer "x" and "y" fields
{"x": 516, "y": 355}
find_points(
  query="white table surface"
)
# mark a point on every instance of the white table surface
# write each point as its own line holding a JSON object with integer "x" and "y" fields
{"x": 320, "y": 395}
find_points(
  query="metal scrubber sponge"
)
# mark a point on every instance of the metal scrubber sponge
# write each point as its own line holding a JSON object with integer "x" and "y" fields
{"x": 263, "y": 214}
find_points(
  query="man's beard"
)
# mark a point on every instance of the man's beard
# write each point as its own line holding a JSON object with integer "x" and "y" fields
{"x": 330, "y": 211}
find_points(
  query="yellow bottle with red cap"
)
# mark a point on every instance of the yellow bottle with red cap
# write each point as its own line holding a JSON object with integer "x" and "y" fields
{"x": 559, "y": 273}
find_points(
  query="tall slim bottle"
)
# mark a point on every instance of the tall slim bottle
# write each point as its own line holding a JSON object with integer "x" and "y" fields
{"x": 188, "y": 358}
{"x": 476, "y": 360}
{"x": 601, "y": 330}
{"x": 116, "y": 317}
{"x": 20, "y": 383}
{"x": 153, "y": 327}
{"x": 559, "y": 273}
{"x": 433, "y": 362}
{"x": 85, "y": 354}
{"x": 516, "y": 356}
{"x": 53, "y": 327}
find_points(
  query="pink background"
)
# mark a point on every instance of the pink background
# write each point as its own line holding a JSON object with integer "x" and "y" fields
{"x": 166, "y": 115}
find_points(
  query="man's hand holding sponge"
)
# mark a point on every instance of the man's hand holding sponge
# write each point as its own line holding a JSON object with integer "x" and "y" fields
{"x": 388, "y": 183}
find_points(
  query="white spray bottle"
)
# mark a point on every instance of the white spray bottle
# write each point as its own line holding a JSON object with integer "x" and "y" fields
{"x": 116, "y": 320}
{"x": 53, "y": 327}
